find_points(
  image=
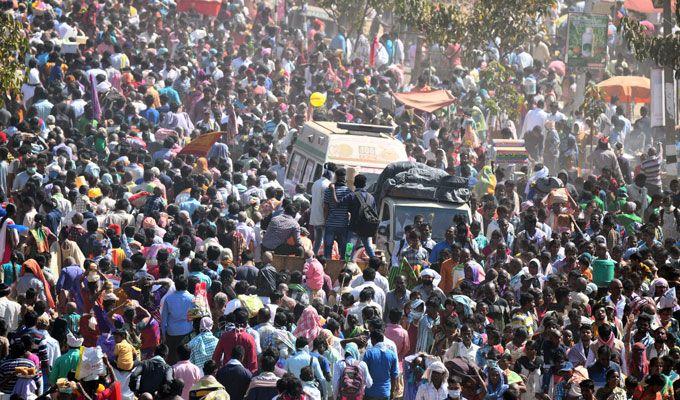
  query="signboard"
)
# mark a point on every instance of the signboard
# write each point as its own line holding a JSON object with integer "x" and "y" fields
{"x": 657, "y": 101}
{"x": 586, "y": 40}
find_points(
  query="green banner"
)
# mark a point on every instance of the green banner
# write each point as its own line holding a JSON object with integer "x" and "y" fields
{"x": 587, "y": 40}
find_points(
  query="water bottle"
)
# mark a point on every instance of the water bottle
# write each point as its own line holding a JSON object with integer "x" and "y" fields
{"x": 348, "y": 251}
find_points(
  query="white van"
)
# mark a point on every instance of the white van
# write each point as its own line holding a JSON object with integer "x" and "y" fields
{"x": 395, "y": 213}
{"x": 362, "y": 149}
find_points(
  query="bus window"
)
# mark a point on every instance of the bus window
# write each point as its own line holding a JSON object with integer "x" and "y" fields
{"x": 300, "y": 169}
{"x": 309, "y": 170}
{"x": 293, "y": 165}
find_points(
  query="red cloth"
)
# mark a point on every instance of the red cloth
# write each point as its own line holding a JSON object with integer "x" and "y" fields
{"x": 430, "y": 101}
{"x": 114, "y": 392}
{"x": 201, "y": 145}
{"x": 373, "y": 53}
{"x": 204, "y": 7}
{"x": 231, "y": 339}
{"x": 32, "y": 266}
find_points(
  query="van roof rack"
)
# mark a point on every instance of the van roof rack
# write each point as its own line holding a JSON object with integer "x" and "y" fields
{"x": 365, "y": 128}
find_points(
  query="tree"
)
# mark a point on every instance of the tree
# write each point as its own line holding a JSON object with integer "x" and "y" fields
{"x": 351, "y": 14}
{"x": 500, "y": 24}
{"x": 13, "y": 47}
{"x": 508, "y": 99}
{"x": 663, "y": 50}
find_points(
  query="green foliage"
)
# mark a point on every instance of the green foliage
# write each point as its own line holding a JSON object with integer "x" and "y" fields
{"x": 663, "y": 50}
{"x": 441, "y": 23}
{"x": 474, "y": 26}
{"x": 498, "y": 78}
{"x": 13, "y": 46}
{"x": 351, "y": 14}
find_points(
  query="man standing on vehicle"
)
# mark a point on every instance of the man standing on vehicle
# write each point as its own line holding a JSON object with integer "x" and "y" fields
{"x": 354, "y": 203}
{"x": 317, "y": 218}
{"x": 337, "y": 214}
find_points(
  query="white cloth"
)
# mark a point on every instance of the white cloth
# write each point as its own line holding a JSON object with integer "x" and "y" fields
{"x": 379, "y": 280}
{"x": 379, "y": 296}
{"x": 535, "y": 117}
{"x": 458, "y": 349}
{"x": 427, "y": 391}
{"x": 316, "y": 217}
{"x": 10, "y": 311}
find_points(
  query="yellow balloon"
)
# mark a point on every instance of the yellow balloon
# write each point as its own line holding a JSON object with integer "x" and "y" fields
{"x": 317, "y": 99}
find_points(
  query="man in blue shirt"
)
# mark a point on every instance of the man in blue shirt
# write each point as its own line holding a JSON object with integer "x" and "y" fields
{"x": 337, "y": 214}
{"x": 303, "y": 358}
{"x": 150, "y": 114}
{"x": 175, "y": 327}
{"x": 598, "y": 371}
{"x": 168, "y": 90}
{"x": 192, "y": 203}
{"x": 447, "y": 243}
{"x": 382, "y": 365}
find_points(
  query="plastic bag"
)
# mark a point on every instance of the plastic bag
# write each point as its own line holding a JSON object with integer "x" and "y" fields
{"x": 91, "y": 365}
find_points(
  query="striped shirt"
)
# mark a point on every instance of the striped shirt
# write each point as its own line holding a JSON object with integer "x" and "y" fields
{"x": 8, "y": 375}
{"x": 652, "y": 168}
{"x": 338, "y": 213}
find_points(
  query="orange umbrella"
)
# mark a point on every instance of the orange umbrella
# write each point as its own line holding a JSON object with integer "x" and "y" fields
{"x": 644, "y": 6}
{"x": 629, "y": 89}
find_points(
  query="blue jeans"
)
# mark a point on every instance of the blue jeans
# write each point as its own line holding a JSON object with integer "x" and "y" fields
{"x": 318, "y": 235}
{"x": 365, "y": 240}
{"x": 331, "y": 234}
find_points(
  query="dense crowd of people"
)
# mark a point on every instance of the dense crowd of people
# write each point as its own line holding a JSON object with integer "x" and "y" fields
{"x": 132, "y": 269}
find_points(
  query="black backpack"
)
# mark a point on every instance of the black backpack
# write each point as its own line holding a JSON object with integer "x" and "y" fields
{"x": 367, "y": 219}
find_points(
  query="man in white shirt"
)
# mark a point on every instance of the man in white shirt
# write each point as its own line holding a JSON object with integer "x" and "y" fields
{"x": 378, "y": 281}
{"x": 369, "y": 276}
{"x": 555, "y": 114}
{"x": 399, "y": 54}
{"x": 523, "y": 59}
{"x": 536, "y": 117}
{"x": 316, "y": 217}
{"x": 432, "y": 133}
{"x": 465, "y": 348}
{"x": 10, "y": 310}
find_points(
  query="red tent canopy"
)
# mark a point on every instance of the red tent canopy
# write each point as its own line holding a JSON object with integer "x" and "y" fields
{"x": 201, "y": 145}
{"x": 426, "y": 101}
{"x": 205, "y": 7}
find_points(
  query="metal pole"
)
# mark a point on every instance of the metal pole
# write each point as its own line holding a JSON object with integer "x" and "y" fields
{"x": 669, "y": 82}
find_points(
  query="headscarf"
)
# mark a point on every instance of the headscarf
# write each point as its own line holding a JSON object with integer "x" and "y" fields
{"x": 352, "y": 350}
{"x": 487, "y": 181}
{"x": 32, "y": 266}
{"x": 641, "y": 302}
{"x": 202, "y": 166}
{"x": 639, "y": 369}
{"x": 668, "y": 300}
{"x": 206, "y": 324}
{"x": 439, "y": 367}
{"x": 478, "y": 274}
{"x": 495, "y": 392}
{"x": 658, "y": 282}
{"x": 309, "y": 324}
{"x": 436, "y": 278}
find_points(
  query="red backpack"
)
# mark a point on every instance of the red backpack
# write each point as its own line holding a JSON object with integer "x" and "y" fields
{"x": 352, "y": 381}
